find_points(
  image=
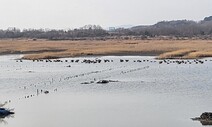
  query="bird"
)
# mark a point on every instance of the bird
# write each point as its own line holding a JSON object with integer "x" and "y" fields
{"x": 5, "y": 112}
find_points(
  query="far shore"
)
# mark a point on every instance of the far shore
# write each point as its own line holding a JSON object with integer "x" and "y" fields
{"x": 162, "y": 49}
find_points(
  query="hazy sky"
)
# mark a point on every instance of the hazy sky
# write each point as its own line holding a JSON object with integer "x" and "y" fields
{"x": 75, "y": 13}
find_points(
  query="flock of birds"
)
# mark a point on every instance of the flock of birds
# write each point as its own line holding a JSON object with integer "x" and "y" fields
{"x": 95, "y": 61}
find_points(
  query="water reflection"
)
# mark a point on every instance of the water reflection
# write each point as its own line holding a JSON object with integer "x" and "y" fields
{"x": 2, "y": 121}
{"x": 206, "y": 122}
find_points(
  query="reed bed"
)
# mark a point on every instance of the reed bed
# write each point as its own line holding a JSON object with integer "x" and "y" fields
{"x": 44, "y": 49}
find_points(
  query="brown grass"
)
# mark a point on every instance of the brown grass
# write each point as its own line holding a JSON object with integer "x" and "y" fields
{"x": 176, "y": 54}
{"x": 42, "y": 49}
{"x": 199, "y": 54}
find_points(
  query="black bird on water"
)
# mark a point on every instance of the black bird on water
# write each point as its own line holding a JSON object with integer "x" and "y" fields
{"x": 5, "y": 112}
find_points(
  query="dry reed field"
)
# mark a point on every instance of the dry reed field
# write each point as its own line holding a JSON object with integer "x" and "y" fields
{"x": 164, "y": 49}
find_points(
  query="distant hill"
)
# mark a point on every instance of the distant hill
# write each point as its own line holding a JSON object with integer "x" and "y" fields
{"x": 208, "y": 18}
{"x": 177, "y": 28}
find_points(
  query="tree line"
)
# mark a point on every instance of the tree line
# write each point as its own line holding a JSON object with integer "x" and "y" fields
{"x": 52, "y": 34}
{"x": 177, "y": 28}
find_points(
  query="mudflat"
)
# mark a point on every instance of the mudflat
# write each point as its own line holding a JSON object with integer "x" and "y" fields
{"x": 164, "y": 49}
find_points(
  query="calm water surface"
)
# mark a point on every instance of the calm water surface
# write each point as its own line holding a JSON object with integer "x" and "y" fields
{"x": 147, "y": 94}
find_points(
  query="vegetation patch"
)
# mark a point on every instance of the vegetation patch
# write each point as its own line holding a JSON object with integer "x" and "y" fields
{"x": 179, "y": 54}
{"x": 166, "y": 49}
{"x": 199, "y": 54}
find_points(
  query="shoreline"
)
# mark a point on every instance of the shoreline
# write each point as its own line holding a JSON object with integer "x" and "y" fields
{"x": 156, "y": 55}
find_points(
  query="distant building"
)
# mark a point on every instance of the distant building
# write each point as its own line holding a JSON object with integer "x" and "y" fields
{"x": 112, "y": 29}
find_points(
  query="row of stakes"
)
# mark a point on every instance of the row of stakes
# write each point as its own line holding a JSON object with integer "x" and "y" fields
{"x": 38, "y": 92}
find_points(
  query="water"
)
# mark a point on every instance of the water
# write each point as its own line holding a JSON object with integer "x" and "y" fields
{"x": 147, "y": 94}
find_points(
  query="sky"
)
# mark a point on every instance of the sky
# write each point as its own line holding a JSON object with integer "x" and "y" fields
{"x": 69, "y": 14}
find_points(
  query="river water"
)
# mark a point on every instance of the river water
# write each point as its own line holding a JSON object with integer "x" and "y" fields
{"x": 142, "y": 93}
